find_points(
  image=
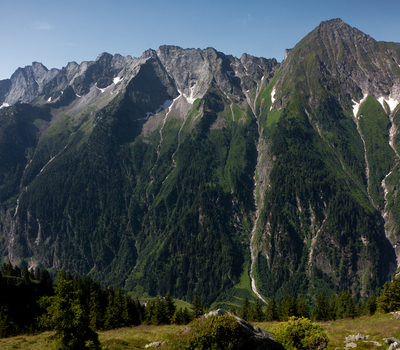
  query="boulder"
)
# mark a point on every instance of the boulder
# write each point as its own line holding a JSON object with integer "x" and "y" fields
{"x": 252, "y": 337}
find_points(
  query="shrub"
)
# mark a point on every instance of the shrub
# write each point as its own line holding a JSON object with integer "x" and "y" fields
{"x": 301, "y": 334}
{"x": 214, "y": 333}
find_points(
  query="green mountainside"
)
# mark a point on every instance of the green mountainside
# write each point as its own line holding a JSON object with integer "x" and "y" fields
{"x": 190, "y": 172}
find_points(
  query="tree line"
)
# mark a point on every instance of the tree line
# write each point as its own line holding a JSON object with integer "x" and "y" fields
{"x": 25, "y": 298}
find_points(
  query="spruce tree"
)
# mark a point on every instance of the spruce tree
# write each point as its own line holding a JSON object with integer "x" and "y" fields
{"x": 109, "y": 316}
{"x": 66, "y": 316}
{"x": 322, "y": 311}
{"x": 149, "y": 312}
{"x": 95, "y": 314}
{"x": 345, "y": 305}
{"x": 232, "y": 310}
{"x": 178, "y": 317}
{"x": 25, "y": 274}
{"x": 245, "y": 312}
{"x": 170, "y": 307}
{"x": 258, "y": 314}
{"x": 197, "y": 308}
{"x": 271, "y": 313}
{"x": 159, "y": 315}
{"x": 370, "y": 305}
{"x": 301, "y": 307}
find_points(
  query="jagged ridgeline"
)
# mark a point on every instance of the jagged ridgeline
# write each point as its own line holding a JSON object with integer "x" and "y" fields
{"x": 188, "y": 171}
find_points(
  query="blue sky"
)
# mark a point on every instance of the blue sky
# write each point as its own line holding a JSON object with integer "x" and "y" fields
{"x": 57, "y": 32}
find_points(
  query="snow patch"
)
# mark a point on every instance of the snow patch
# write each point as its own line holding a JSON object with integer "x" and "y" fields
{"x": 102, "y": 90}
{"x": 4, "y": 105}
{"x": 190, "y": 99}
{"x": 117, "y": 80}
{"x": 357, "y": 105}
{"x": 165, "y": 105}
{"x": 170, "y": 107}
{"x": 49, "y": 99}
{"x": 392, "y": 103}
{"x": 272, "y": 97}
{"x": 78, "y": 95}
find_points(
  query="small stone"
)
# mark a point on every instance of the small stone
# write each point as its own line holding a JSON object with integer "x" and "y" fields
{"x": 351, "y": 345}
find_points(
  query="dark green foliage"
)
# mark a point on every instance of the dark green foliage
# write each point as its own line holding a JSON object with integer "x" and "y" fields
{"x": 19, "y": 297}
{"x": 309, "y": 190}
{"x": 257, "y": 313}
{"x": 66, "y": 316}
{"x": 214, "y": 332}
{"x": 301, "y": 334}
{"x": 389, "y": 300}
{"x": 344, "y": 306}
{"x": 371, "y": 305}
{"x": 374, "y": 124}
{"x": 116, "y": 314}
{"x": 271, "y": 313}
{"x": 322, "y": 311}
{"x": 197, "y": 308}
{"x": 246, "y": 310}
{"x": 95, "y": 314}
{"x": 301, "y": 307}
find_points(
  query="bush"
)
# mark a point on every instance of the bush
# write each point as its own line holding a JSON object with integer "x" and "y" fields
{"x": 301, "y": 334}
{"x": 214, "y": 333}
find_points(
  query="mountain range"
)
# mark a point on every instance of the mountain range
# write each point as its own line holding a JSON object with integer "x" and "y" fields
{"x": 192, "y": 172}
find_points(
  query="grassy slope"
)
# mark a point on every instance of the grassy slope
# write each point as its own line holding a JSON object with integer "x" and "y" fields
{"x": 377, "y": 327}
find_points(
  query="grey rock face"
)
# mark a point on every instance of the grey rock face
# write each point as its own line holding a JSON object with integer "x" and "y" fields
{"x": 166, "y": 73}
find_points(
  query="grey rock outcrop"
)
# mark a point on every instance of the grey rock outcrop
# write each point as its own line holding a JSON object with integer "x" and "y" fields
{"x": 252, "y": 337}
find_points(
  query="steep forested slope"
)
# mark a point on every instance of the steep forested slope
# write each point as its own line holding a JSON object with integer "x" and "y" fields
{"x": 186, "y": 171}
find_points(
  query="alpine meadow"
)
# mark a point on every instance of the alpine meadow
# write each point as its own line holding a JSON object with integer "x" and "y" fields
{"x": 188, "y": 172}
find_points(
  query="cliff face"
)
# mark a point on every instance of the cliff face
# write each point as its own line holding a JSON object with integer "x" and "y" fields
{"x": 184, "y": 170}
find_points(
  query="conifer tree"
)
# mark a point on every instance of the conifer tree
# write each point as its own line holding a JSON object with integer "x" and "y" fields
{"x": 389, "y": 300}
{"x": 95, "y": 314}
{"x": 370, "y": 305}
{"x": 149, "y": 312}
{"x": 178, "y": 317}
{"x": 159, "y": 316}
{"x": 271, "y": 313}
{"x": 301, "y": 307}
{"x": 170, "y": 307}
{"x": 25, "y": 274}
{"x": 345, "y": 305}
{"x": 109, "y": 317}
{"x": 257, "y": 312}
{"x": 197, "y": 308}
{"x": 232, "y": 310}
{"x": 186, "y": 315}
{"x": 116, "y": 313}
{"x": 321, "y": 313}
{"x": 66, "y": 316}
{"x": 245, "y": 312}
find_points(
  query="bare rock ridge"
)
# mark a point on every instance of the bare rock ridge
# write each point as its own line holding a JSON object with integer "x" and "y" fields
{"x": 188, "y": 71}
